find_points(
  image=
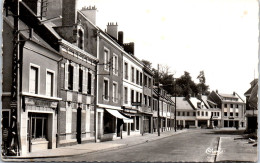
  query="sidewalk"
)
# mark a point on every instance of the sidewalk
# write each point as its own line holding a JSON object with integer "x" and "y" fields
{"x": 81, "y": 149}
{"x": 236, "y": 150}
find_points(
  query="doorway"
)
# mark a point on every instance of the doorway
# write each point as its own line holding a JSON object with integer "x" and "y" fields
{"x": 79, "y": 125}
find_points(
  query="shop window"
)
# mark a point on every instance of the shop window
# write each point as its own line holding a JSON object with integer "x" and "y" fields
{"x": 109, "y": 123}
{"x": 105, "y": 91}
{"x": 39, "y": 126}
{"x": 49, "y": 83}
{"x": 70, "y": 77}
{"x": 34, "y": 80}
{"x": 89, "y": 83}
{"x": 80, "y": 80}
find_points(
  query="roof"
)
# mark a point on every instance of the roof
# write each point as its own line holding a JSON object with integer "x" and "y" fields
{"x": 194, "y": 101}
{"x": 205, "y": 100}
{"x": 248, "y": 92}
{"x": 211, "y": 102}
{"x": 182, "y": 103}
{"x": 253, "y": 99}
{"x": 228, "y": 95}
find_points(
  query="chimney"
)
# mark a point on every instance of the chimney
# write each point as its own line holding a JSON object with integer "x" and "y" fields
{"x": 90, "y": 12}
{"x": 234, "y": 93}
{"x": 121, "y": 38}
{"x": 112, "y": 30}
{"x": 216, "y": 91}
{"x": 130, "y": 48}
{"x": 69, "y": 12}
{"x": 36, "y": 6}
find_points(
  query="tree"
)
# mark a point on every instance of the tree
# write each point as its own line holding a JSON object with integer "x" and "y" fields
{"x": 202, "y": 87}
{"x": 147, "y": 63}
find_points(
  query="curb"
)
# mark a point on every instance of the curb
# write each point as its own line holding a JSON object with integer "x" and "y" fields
{"x": 5, "y": 158}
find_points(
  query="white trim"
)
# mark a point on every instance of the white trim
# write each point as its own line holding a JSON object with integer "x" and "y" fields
{"x": 39, "y": 81}
{"x": 40, "y": 96}
{"x": 104, "y": 89}
{"x": 53, "y": 80}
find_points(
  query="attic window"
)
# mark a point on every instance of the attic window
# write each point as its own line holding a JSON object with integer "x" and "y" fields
{"x": 80, "y": 39}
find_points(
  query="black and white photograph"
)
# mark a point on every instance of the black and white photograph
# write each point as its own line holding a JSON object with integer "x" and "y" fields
{"x": 129, "y": 80}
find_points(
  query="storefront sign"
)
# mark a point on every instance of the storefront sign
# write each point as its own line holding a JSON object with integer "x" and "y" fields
{"x": 42, "y": 103}
{"x": 136, "y": 103}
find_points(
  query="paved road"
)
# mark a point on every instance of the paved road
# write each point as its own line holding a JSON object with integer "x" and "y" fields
{"x": 188, "y": 146}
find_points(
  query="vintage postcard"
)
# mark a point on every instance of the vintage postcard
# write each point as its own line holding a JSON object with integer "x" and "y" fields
{"x": 129, "y": 80}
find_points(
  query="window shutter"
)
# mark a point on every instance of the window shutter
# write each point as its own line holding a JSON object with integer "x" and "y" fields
{"x": 84, "y": 89}
{"x": 66, "y": 76}
{"x": 92, "y": 83}
{"x": 76, "y": 77}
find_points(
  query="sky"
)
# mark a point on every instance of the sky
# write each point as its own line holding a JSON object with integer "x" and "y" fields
{"x": 219, "y": 37}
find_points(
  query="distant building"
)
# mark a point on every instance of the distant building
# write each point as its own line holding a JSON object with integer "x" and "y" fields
{"x": 251, "y": 106}
{"x": 232, "y": 108}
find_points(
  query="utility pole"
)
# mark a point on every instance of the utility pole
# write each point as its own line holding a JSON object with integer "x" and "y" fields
{"x": 95, "y": 102}
{"x": 15, "y": 98}
{"x": 158, "y": 112}
{"x": 175, "y": 106}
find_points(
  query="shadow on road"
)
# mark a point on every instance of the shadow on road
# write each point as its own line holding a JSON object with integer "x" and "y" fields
{"x": 226, "y": 132}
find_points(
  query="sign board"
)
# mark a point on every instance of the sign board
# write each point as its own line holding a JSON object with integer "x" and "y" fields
{"x": 136, "y": 103}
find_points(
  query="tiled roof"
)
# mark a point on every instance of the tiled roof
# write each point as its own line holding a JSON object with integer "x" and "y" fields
{"x": 182, "y": 103}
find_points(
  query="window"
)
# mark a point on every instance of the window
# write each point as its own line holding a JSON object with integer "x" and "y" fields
{"x": 149, "y": 101}
{"x": 141, "y": 79}
{"x": 115, "y": 92}
{"x": 132, "y": 95}
{"x": 145, "y": 100}
{"x": 39, "y": 126}
{"x": 188, "y": 113}
{"x": 70, "y": 77}
{"x": 80, "y": 39}
{"x": 206, "y": 113}
{"x": 231, "y": 114}
{"x": 141, "y": 97}
{"x": 126, "y": 70}
{"x": 34, "y": 80}
{"x": 106, "y": 59}
{"x": 49, "y": 84}
{"x": 149, "y": 82}
{"x": 133, "y": 74}
{"x": 194, "y": 113}
{"x": 105, "y": 91}
{"x": 218, "y": 114}
{"x": 225, "y": 114}
{"x": 137, "y": 97}
{"x": 89, "y": 83}
{"x": 236, "y": 114}
{"x": 225, "y": 105}
{"x": 231, "y": 105}
{"x": 137, "y": 77}
{"x": 80, "y": 80}
{"x": 125, "y": 95}
{"x": 237, "y": 106}
{"x": 115, "y": 64}
{"x": 145, "y": 80}
{"x": 5, "y": 119}
{"x": 179, "y": 114}
{"x": 202, "y": 113}
{"x": 198, "y": 113}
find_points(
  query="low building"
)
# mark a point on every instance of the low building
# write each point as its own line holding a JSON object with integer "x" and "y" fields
{"x": 232, "y": 108}
{"x": 251, "y": 106}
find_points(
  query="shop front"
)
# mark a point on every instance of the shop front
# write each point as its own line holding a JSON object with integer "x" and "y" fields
{"x": 38, "y": 124}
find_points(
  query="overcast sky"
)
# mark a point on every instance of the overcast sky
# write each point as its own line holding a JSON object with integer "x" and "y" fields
{"x": 217, "y": 36}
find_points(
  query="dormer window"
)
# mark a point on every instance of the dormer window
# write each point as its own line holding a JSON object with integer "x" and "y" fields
{"x": 80, "y": 39}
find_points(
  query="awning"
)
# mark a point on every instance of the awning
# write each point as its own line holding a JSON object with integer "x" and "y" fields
{"x": 120, "y": 116}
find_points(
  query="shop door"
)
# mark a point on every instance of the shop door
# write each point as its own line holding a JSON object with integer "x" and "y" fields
{"x": 146, "y": 125}
{"x": 79, "y": 125}
{"x": 99, "y": 126}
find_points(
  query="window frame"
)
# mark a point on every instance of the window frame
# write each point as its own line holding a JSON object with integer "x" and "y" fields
{"x": 106, "y": 60}
{"x": 115, "y": 69}
{"x": 53, "y": 82}
{"x": 126, "y": 70}
{"x": 38, "y": 78}
{"x": 106, "y": 79}
{"x": 115, "y": 99}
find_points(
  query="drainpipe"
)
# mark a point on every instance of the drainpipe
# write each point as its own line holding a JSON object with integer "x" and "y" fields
{"x": 58, "y": 108}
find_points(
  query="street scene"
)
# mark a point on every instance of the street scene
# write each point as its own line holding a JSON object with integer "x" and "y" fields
{"x": 82, "y": 83}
